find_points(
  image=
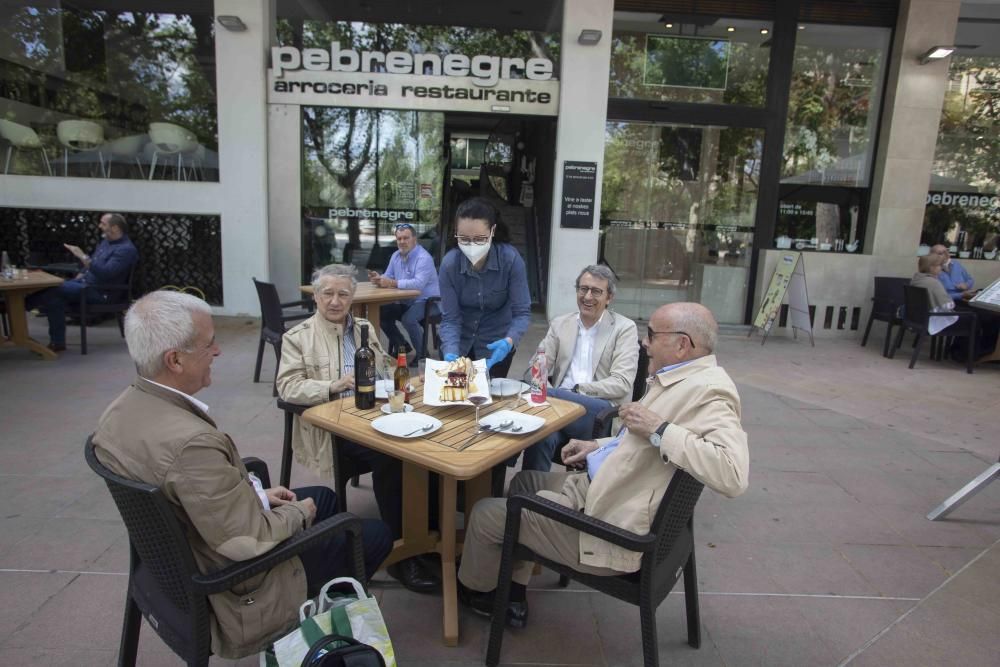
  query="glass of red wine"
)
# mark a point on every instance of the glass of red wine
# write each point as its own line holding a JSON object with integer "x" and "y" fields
{"x": 479, "y": 399}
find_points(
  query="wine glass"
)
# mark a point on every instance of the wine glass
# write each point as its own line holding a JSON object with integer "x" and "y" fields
{"x": 477, "y": 399}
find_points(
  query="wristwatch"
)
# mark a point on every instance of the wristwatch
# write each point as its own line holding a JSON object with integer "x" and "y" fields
{"x": 657, "y": 436}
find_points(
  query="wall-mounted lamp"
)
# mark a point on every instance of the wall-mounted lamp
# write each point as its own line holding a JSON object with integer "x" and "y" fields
{"x": 935, "y": 53}
{"x": 231, "y": 22}
{"x": 589, "y": 37}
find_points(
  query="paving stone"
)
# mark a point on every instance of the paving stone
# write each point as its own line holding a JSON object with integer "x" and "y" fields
{"x": 65, "y": 544}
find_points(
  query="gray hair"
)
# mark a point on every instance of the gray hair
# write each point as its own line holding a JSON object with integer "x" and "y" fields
{"x": 157, "y": 323}
{"x": 335, "y": 271}
{"x": 698, "y": 322}
{"x": 602, "y": 272}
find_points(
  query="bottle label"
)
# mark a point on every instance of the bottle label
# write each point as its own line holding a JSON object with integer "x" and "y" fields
{"x": 363, "y": 389}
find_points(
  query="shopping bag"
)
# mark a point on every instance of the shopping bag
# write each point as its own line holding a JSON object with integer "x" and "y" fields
{"x": 325, "y": 652}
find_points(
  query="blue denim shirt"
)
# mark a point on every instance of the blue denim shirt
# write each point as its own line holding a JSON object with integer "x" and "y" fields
{"x": 951, "y": 276}
{"x": 416, "y": 271}
{"x": 480, "y": 307}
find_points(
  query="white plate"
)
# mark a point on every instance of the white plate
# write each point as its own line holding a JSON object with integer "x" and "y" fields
{"x": 406, "y": 408}
{"x": 402, "y": 425}
{"x": 433, "y": 383}
{"x": 528, "y": 423}
{"x": 383, "y": 387}
{"x": 507, "y": 387}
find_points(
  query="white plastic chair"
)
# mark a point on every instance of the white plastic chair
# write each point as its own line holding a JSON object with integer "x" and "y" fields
{"x": 21, "y": 137}
{"x": 80, "y": 136}
{"x": 170, "y": 139}
{"x": 127, "y": 149}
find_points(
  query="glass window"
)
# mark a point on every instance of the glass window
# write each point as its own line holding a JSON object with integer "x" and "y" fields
{"x": 713, "y": 60}
{"x": 94, "y": 91}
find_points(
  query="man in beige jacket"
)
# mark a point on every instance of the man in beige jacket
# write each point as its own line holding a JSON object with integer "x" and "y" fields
{"x": 157, "y": 432}
{"x": 688, "y": 419}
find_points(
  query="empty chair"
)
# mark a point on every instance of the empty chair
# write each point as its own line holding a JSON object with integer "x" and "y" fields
{"x": 272, "y": 322}
{"x": 917, "y": 318}
{"x": 886, "y": 303}
{"x": 126, "y": 149}
{"x": 21, "y": 137}
{"x": 80, "y": 136}
{"x": 170, "y": 140}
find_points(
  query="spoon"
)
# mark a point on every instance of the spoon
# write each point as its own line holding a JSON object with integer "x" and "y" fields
{"x": 424, "y": 428}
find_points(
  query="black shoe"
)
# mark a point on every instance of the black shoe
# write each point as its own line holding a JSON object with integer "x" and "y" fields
{"x": 482, "y": 604}
{"x": 57, "y": 347}
{"x": 412, "y": 574}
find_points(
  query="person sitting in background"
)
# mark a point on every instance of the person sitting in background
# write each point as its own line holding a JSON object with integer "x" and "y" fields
{"x": 317, "y": 365}
{"x": 411, "y": 267}
{"x": 110, "y": 264}
{"x": 158, "y": 433}
{"x": 958, "y": 283}
{"x": 928, "y": 275}
{"x": 592, "y": 355}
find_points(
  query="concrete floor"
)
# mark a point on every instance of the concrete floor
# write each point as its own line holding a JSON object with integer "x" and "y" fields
{"x": 827, "y": 559}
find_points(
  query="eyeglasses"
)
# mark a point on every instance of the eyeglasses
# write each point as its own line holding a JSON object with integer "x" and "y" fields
{"x": 472, "y": 240}
{"x": 650, "y": 333}
{"x": 596, "y": 291}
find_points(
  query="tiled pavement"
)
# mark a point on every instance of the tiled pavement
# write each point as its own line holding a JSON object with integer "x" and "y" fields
{"x": 827, "y": 558}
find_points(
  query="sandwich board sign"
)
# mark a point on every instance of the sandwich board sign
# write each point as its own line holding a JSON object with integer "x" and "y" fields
{"x": 789, "y": 278}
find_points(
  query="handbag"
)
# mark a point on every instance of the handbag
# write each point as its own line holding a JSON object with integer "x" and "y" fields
{"x": 354, "y": 654}
{"x": 356, "y": 616}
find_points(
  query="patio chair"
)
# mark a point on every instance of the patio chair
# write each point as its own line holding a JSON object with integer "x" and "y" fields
{"x": 886, "y": 303}
{"x": 344, "y": 467}
{"x": 430, "y": 323}
{"x": 127, "y": 149}
{"x": 119, "y": 301}
{"x": 916, "y": 318}
{"x": 667, "y": 551}
{"x": 272, "y": 322}
{"x": 170, "y": 140}
{"x": 21, "y": 137}
{"x": 166, "y": 586}
{"x": 81, "y": 136}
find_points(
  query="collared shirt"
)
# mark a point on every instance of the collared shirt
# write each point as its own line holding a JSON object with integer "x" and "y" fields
{"x": 347, "y": 353}
{"x": 110, "y": 262}
{"x": 190, "y": 399}
{"x": 414, "y": 271}
{"x": 581, "y": 370}
{"x": 596, "y": 458}
{"x": 953, "y": 274}
{"x": 480, "y": 307}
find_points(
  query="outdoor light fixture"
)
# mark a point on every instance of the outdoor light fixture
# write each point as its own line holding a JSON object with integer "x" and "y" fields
{"x": 589, "y": 37}
{"x": 668, "y": 25}
{"x": 231, "y": 22}
{"x": 764, "y": 31}
{"x": 730, "y": 29}
{"x": 935, "y": 53}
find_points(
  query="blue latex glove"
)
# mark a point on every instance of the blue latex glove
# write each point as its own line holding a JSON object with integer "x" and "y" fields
{"x": 501, "y": 348}
{"x": 450, "y": 357}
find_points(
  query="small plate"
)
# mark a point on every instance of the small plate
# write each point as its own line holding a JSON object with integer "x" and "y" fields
{"x": 401, "y": 425}
{"x": 507, "y": 387}
{"x": 528, "y": 423}
{"x": 406, "y": 408}
{"x": 383, "y": 387}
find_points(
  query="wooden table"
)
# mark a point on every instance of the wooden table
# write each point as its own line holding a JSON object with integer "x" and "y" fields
{"x": 986, "y": 311}
{"x": 14, "y": 292}
{"x": 368, "y": 294}
{"x": 439, "y": 452}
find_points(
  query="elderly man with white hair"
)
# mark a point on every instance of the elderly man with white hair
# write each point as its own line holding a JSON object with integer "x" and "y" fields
{"x": 157, "y": 432}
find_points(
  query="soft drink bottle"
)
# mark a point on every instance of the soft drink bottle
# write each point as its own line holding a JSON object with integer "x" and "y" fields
{"x": 539, "y": 377}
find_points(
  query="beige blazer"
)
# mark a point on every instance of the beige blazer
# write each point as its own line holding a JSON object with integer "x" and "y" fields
{"x": 310, "y": 361}
{"x": 615, "y": 358}
{"x": 156, "y": 436}
{"x": 704, "y": 437}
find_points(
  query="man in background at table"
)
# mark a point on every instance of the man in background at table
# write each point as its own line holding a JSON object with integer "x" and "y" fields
{"x": 411, "y": 267}
{"x": 158, "y": 433}
{"x": 110, "y": 264}
{"x": 956, "y": 280}
{"x": 592, "y": 356}
{"x": 689, "y": 419}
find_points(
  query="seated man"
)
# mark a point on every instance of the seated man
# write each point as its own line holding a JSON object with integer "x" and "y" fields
{"x": 411, "y": 267}
{"x": 317, "y": 365}
{"x": 592, "y": 357}
{"x": 109, "y": 265}
{"x": 158, "y": 433}
{"x": 688, "y": 419}
{"x": 958, "y": 283}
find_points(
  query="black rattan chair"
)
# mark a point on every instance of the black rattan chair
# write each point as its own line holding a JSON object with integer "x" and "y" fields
{"x": 916, "y": 318}
{"x": 667, "y": 550}
{"x": 344, "y": 467}
{"x": 165, "y": 584}
{"x": 120, "y": 298}
{"x": 431, "y": 322}
{"x": 272, "y": 322}
{"x": 886, "y": 304}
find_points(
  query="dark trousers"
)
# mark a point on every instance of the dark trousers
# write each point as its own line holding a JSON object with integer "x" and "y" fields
{"x": 54, "y": 300}
{"x": 411, "y": 315}
{"x": 329, "y": 559}
{"x": 387, "y": 481}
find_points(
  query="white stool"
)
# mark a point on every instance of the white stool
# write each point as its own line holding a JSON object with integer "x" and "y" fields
{"x": 170, "y": 139}
{"x": 80, "y": 136}
{"x": 21, "y": 137}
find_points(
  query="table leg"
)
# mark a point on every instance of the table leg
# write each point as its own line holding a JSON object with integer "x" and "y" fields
{"x": 17, "y": 315}
{"x": 416, "y": 538}
{"x": 449, "y": 586}
{"x": 370, "y": 314}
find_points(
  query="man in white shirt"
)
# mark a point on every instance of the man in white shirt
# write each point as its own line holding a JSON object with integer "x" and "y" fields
{"x": 593, "y": 355}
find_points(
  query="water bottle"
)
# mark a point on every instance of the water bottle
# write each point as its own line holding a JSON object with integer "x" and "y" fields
{"x": 5, "y": 267}
{"x": 539, "y": 377}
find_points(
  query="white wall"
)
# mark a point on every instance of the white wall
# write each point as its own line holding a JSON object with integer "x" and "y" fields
{"x": 285, "y": 188}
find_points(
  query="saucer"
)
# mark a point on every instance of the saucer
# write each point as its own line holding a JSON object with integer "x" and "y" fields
{"x": 406, "y": 408}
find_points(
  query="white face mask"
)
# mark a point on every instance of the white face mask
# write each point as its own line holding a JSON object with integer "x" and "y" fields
{"x": 474, "y": 252}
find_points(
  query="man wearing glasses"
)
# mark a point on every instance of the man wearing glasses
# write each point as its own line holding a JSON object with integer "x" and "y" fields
{"x": 593, "y": 356}
{"x": 411, "y": 267}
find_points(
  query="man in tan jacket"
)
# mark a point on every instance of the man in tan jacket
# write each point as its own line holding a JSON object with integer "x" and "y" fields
{"x": 688, "y": 419}
{"x": 157, "y": 432}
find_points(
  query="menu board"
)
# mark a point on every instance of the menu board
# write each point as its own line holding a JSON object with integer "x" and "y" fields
{"x": 579, "y": 187}
{"x": 989, "y": 297}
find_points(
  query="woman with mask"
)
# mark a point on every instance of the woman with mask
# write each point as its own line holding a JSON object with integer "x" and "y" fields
{"x": 485, "y": 303}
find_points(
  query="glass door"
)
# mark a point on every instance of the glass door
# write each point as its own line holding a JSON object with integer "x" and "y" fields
{"x": 678, "y": 209}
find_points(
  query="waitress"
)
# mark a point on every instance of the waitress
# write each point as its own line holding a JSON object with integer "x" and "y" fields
{"x": 485, "y": 303}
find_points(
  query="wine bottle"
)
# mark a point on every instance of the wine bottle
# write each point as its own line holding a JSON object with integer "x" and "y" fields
{"x": 364, "y": 374}
{"x": 401, "y": 378}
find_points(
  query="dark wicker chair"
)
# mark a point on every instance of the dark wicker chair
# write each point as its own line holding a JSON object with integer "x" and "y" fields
{"x": 272, "y": 322}
{"x": 344, "y": 467}
{"x": 165, "y": 584}
{"x": 119, "y": 301}
{"x": 916, "y": 318}
{"x": 431, "y": 321}
{"x": 886, "y": 304}
{"x": 667, "y": 550}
